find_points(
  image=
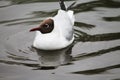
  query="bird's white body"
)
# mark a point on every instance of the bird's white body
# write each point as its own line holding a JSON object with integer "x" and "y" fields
{"x": 62, "y": 34}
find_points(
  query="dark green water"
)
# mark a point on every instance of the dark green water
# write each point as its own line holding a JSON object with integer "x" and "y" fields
{"x": 95, "y": 54}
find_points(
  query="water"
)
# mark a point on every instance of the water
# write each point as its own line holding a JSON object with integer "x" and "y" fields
{"x": 95, "y": 54}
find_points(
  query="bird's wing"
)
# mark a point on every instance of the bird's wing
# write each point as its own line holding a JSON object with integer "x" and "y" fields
{"x": 71, "y": 16}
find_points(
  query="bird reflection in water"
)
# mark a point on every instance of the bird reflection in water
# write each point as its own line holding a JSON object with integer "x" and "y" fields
{"x": 51, "y": 59}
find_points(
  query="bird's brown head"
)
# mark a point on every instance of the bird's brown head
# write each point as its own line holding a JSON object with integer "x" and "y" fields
{"x": 46, "y": 26}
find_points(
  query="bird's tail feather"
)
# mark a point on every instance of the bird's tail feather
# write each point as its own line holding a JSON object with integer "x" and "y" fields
{"x": 63, "y": 6}
{"x": 70, "y": 7}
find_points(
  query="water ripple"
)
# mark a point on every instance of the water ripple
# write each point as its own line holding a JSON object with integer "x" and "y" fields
{"x": 98, "y": 70}
{"x": 94, "y": 54}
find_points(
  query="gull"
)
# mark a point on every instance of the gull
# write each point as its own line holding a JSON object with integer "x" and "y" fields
{"x": 56, "y": 32}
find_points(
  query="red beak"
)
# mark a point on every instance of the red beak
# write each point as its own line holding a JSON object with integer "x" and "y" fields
{"x": 34, "y": 29}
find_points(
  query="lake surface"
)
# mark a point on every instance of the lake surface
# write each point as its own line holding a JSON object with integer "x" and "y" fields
{"x": 94, "y": 55}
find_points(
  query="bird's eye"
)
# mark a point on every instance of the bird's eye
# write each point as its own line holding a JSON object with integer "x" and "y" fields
{"x": 46, "y": 26}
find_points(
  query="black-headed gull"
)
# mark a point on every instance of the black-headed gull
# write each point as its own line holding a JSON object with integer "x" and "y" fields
{"x": 55, "y": 32}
